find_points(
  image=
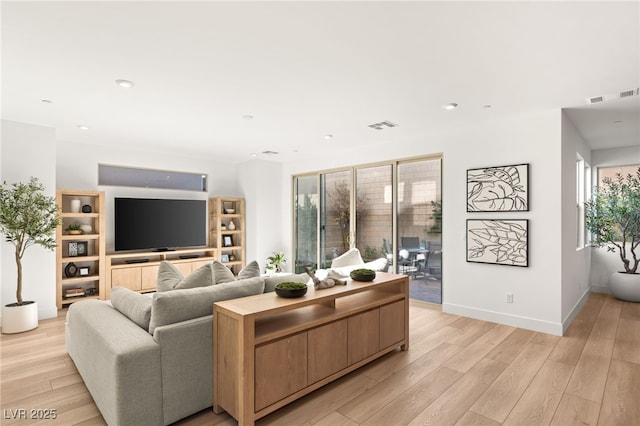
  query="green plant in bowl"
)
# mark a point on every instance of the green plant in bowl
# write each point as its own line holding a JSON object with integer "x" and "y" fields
{"x": 363, "y": 274}
{"x": 291, "y": 289}
{"x": 74, "y": 229}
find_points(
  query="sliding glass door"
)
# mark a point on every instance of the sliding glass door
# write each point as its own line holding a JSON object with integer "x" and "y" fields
{"x": 374, "y": 212}
{"x": 335, "y": 215}
{"x": 306, "y": 200}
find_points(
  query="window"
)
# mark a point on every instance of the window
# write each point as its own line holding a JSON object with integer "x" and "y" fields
{"x": 583, "y": 185}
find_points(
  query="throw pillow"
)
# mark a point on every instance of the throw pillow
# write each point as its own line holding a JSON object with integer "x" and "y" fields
{"x": 135, "y": 306}
{"x": 221, "y": 273}
{"x": 375, "y": 265}
{"x": 171, "y": 307}
{"x": 350, "y": 257}
{"x": 252, "y": 270}
{"x": 170, "y": 278}
{"x": 271, "y": 282}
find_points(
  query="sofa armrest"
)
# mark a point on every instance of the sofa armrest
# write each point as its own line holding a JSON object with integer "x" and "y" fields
{"x": 118, "y": 361}
{"x": 187, "y": 366}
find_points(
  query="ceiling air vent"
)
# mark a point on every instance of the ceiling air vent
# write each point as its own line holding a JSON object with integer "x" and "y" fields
{"x": 269, "y": 152}
{"x": 382, "y": 125}
{"x": 627, "y": 93}
{"x": 595, "y": 100}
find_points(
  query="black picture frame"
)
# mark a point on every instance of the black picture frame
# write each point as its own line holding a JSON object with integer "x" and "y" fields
{"x": 498, "y": 241}
{"x": 84, "y": 271}
{"x": 498, "y": 189}
{"x": 83, "y": 248}
{"x": 227, "y": 241}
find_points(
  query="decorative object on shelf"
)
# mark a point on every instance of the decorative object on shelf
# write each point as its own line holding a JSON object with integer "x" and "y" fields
{"x": 78, "y": 248}
{"x": 501, "y": 242}
{"x": 613, "y": 218}
{"x": 325, "y": 283}
{"x": 27, "y": 217}
{"x": 84, "y": 271}
{"x": 227, "y": 241}
{"x": 228, "y": 208}
{"x": 232, "y": 226}
{"x": 498, "y": 189}
{"x": 277, "y": 259}
{"x": 75, "y": 205}
{"x": 223, "y": 227}
{"x": 363, "y": 275}
{"x": 86, "y": 228}
{"x": 86, "y": 208}
{"x": 232, "y": 257}
{"x": 291, "y": 289}
{"x": 91, "y": 291}
{"x": 73, "y": 292}
{"x": 224, "y": 258}
{"x": 74, "y": 229}
{"x": 71, "y": 270}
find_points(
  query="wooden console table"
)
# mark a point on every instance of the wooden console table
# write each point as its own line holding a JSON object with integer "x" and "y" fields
{"x": 269, "y": 351}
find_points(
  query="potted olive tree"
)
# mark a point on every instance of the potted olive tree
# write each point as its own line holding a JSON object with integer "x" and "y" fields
{"x": 613, "y": 218}
{"x": 27, "y": 217}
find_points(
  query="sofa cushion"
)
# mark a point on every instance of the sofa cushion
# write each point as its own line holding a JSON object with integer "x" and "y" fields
{"x": 271, "y": 282}
{"x": 135, "y": 306}
{"x": 375, "y": 265}
{"x": 348, "y": 258}
{"x": 221, "y": 273}
{"x": 170, "y": 278}
{"x": 174, "y": 306}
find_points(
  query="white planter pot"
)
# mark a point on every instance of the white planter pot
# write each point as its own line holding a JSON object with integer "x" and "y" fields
{"x": 625, "y": 286}
{"x": 16, "y": 319}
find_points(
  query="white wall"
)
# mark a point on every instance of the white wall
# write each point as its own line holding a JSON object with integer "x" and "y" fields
{"x": 77, "y": 168}
{"x": 259, "y": 181}
{"x": 576, "y": 263}
{"x": 604, "y": 263}
{"x": 478, "y": 290}
{"x": 26, "y": 151}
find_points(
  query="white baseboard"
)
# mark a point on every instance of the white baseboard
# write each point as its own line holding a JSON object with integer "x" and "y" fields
{"x": 574, "y": 312}
{"x": 501, "y": 318}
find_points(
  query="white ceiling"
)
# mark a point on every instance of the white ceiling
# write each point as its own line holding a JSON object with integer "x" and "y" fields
{"x": 307, "y": 69}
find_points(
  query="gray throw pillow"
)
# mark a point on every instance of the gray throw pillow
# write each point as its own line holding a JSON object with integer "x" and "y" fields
{"x": 252, "y": 270}
{"x": 171, "y": 307}
{"x": 135, "y": 306}
{"x": 170, "y": 278}
{"x": 221, "y": 273}
{"x": 271, "y": 282}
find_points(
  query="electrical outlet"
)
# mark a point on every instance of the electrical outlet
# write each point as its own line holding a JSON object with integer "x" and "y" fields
{"x": 508, "y": 297}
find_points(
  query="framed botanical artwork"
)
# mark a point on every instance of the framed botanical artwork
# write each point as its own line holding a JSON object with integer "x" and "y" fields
{"x": 500, "y": 242}
{"x": 227, "y": 241}
{"x": 498, "y": 189}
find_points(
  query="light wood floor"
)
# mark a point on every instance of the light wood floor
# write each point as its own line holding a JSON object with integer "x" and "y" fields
{"x": 458, "y": 371}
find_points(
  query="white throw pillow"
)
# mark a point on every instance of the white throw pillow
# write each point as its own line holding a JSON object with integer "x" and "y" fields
{"x": 350, "y": 257}
{"x": 374, "y": 265}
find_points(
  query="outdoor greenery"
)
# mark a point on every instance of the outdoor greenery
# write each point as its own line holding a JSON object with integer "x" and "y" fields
{"x": 27, "y": 217}
{"x": 307, "y": 224}
{"x": 613, "y": 218}
{"x": 340, "y": 210}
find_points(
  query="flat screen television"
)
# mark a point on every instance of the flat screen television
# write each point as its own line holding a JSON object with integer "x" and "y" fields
{"x": 159, "y": 224}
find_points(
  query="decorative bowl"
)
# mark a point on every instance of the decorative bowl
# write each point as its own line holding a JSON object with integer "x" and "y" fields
{"x": 230, "y": 211}
{"x": 291, "y": 289}
{"x": 363, "y": 275}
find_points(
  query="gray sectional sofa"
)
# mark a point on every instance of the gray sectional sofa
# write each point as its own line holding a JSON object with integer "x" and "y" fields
{"x": 147, "y": 359}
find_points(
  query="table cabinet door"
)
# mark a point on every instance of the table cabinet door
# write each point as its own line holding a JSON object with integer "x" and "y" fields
{"x": 327, "y": 350}
{"x": 149, "y": 277}
{"x": 280, "y": 369}
{"x": 363, "y": 335}
{"x": 392, "y": 319}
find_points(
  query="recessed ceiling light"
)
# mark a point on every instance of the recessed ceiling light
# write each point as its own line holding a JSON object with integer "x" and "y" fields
{"x": 46, "y": 101}
{"x": 618, "y": 122}
{"x": 328, "y": 136}
{"x": 83, "y": 127}
{"x": 487, "y": 106}
{"x": 269, "y": 152}
{"x": 125, "y": 83}
{"x": 450, "y": 105}
{"x": 248, "y": 117}
{"x": 253, "y": 154}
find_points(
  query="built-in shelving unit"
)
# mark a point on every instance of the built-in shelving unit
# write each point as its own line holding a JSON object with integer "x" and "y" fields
{"x": 80, "y": 255}
{"x": 228, "y": 239}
